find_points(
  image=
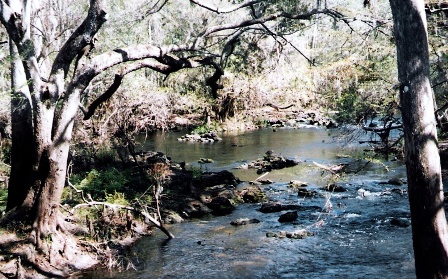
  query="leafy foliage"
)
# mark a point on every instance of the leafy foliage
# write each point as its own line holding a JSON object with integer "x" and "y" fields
{"x": 104, "y": 184}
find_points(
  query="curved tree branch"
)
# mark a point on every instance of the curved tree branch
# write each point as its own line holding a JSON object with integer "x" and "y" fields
{"x": 271, "y": 17}
{"x": 161, "y": 59}
{"x": 165, "y": 65}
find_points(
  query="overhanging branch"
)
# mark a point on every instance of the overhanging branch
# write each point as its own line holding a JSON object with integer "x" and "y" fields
{"x": 166, "y": 65}
{"x": 225, "y": 10}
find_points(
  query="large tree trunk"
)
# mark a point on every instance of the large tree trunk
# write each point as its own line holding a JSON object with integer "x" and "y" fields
{"x": 21, "y": 132}
{"x": 429, "y": 226}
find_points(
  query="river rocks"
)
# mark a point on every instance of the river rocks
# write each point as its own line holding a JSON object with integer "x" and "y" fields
{"x": 394, "y": 181}
{"x": 222, "y": 190}
{"x": 194, "y": 208}
{"x": 171, "y": 217}
{"x": 252, "y": 194}
{"x": 261, "y": 182}
{"x": 271, "y": 207}
{"x": 244, "y": 221}
{"x": 270, "y": 161}
{"x": 400, "y": 222}
{"x": 298, "y": 234}
{"x": 214, "y": 178}
{"x": 333, "y": 187}
{"x": 209, "y": 137}
{"x": 288, "y": 217}
{"x": 221, "y": 206}
{"x": 301, "y": 192}
{"x": 205, "y": 161}
{"x": 265, "y": 181}
{"x": 295, "y": 184}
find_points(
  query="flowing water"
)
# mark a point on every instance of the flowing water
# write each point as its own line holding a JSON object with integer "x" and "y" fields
{"x": 353, "y": 236}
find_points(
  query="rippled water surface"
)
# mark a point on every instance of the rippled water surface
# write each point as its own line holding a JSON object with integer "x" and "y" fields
{"x": 353, "y": 236}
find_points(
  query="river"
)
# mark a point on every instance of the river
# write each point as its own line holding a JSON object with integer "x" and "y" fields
{"x": 353, "y": 238}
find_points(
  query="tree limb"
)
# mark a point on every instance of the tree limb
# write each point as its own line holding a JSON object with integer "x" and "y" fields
{"x": 271, "y": 17}
{"x": 82, "y": 36}
{"x": 103, "y": 97}
{"x": 225, "y": 10}
{"x": 165, "y": 65}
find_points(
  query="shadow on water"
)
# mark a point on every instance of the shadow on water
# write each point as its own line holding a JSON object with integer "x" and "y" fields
{"x": 353, "y": 234}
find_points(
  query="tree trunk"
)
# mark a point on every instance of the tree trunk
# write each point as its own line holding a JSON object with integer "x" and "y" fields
{"x": 21, "y": 133}
{"x": 429, "y": 226}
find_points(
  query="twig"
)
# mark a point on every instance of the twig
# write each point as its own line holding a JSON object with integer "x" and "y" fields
{"x": 332, "y": 169}
{"x": 261, "y": 176}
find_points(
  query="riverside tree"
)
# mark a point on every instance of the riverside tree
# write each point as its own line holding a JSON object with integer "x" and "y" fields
{"x": 429, "y": 225}
{"x": 48, "y": 86}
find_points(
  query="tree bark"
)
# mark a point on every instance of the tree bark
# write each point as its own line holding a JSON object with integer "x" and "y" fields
{"x": 429, "y": 226}
{"x": 21, "y": 131}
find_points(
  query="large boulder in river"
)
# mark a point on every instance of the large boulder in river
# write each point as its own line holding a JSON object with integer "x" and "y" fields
{"x": 272, "y": 161}
{"x": 215, "y": 178}
{"x": 221, "y": 206}
{"x": 194, "y": 208}
{"x": 222, "y": 190}
{"x": 271, "y": 207}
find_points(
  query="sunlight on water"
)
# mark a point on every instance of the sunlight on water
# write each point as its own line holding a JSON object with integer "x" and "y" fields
{"x": 353, "y": 236}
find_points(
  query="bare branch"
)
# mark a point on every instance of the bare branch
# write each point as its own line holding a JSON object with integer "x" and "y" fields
{"x": 154, "y": 9}
{"x": 271, "y": 17}
{"x": 225, "y": 10}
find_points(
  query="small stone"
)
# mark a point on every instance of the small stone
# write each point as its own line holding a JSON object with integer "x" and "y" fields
{"x": 333, "y": 187}
{"x": 244, "y": 221}
{"x": 205, "y": 161}
{"x": 297, "y": 184}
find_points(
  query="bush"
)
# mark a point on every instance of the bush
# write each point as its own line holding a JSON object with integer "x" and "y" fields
{"x": 100, "y": 184}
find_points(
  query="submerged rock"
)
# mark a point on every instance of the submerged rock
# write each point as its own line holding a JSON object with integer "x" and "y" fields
{"x": 400, "y": 222}
{"x": 288, "y": 217}
{"x": 244, "y": 221}
{"x": 205, "y": 161}
{"x": 394, "y": 181}
{"x": 209, "y": 137}
{"x": 221, "y": 206}
{"x": 299, "y": 234}
{"x": 306, "y": 193}
{"x": 272, "y": 207}
{"x": 333, "y": 187}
